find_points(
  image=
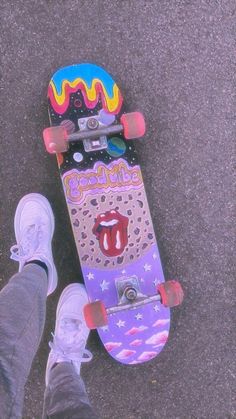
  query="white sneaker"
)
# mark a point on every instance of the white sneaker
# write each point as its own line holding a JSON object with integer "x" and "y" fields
{"x": 71, "y": 332}
{"x": 34, "y": 227}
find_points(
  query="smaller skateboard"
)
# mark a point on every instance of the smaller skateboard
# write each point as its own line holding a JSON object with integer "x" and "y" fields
{"x": 92, "y": 137}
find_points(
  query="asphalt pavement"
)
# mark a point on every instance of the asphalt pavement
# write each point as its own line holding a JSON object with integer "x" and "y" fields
{"x": 175, "y": 62}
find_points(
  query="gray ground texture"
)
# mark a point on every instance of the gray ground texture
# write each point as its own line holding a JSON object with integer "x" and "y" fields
{"x": 175, "y": 61}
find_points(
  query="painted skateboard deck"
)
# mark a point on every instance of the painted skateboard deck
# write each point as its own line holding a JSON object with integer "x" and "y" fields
{"x": 109, "y": 212}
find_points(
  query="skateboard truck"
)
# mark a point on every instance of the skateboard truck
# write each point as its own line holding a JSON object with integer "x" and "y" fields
{"x": 94, "y": 123}
{"x": 128, "y": 290}
{"x": 57, "y": 139}
{"x": 169, "y": 293}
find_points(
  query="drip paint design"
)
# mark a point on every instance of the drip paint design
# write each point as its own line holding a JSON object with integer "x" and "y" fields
{"x": 91, "y": 80}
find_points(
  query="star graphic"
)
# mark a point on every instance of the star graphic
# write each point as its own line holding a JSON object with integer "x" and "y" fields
{"x": 104, "y": 285}
{"x": 121, "y": 323}
{"x": 154, "y": 256}
{"x": 147, "y": 267}
{"x": 156, "y": 308}
{"x": 90, "y": 276}
{"x": 139, "y": 316}
{"x": 105, "y": 328}
{"x": 156, "y": 282}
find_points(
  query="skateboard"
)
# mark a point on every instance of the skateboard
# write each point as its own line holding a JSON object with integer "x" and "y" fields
{"x": 93, "y": 139}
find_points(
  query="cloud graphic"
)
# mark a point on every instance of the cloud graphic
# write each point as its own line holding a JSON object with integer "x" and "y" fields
{"x": 125, "y": 353}
{"x": 112, "y": 345}
{"x": 158, "y": 338}
{"x": 146, "y": 356}
{"x": 136, "y": 342}
{"x": 136, "y": 330}
{"x": 161, "y": 322}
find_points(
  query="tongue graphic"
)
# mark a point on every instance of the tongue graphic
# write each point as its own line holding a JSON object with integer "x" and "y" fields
{"x": 111, "y": 231}
{"x": 110, "y": 240}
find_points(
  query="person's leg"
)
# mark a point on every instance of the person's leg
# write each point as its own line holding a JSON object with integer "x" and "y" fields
{"x": 22, "y": 317}
{"x": 65, "y": 394}
{"x": 23, "y": 300}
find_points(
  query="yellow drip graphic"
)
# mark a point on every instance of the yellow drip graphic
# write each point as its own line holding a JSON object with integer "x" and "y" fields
{"x": 112, "y": 103}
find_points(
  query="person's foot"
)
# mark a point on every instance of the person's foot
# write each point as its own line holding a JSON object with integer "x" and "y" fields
{"x": 34, "y": 227}
{"x": 71, "y": 333}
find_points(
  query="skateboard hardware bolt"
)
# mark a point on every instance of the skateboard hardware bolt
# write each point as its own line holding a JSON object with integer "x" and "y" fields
{"x": 130, "y": 293}
{"x": 92, "y": 123}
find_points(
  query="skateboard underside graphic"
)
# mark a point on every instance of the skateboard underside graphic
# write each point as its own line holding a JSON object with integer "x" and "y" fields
{"x": 108, "y": 209}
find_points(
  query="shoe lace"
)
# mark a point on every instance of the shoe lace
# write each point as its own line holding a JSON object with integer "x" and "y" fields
{"x": 74, "y": 350}
{"x": 25, "y": 249}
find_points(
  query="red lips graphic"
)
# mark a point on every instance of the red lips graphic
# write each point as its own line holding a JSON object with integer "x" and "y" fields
{"x": 111, "y": 231}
